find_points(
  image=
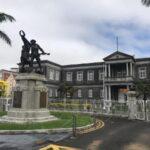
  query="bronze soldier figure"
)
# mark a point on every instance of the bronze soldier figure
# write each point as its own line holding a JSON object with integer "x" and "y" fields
{"x": 25, "y": 53}
{"x": 30, "y": 51}
{"x": 35, "y": 48}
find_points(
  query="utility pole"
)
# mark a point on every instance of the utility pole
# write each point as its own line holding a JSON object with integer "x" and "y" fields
{"x": 117, "y": 43}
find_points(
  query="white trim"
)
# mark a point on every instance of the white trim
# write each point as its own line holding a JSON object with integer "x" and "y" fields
{"x": 83, "y": 67}
{"x": 118, "y": 61}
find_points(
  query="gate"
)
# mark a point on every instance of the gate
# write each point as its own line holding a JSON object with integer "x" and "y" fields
{"x": 140, "y": 110}
{"x": 143, "y": 110}
{"x": 148, "y": 110}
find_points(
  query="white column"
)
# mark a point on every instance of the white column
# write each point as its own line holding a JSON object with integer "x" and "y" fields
{"x": 105, "y": 70}
{"x": 109, "y": 90}
{"x": 105, "y": 92}
{"x": 109, "y": 70}
{"x": 127, "y": 69}
{"x": 131, "y": 69}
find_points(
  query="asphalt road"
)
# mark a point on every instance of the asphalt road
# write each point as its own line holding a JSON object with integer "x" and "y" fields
{"x": 117, "y": 134}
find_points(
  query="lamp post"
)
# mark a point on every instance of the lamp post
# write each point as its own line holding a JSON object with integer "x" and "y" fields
{"x": 74, "y": 125}
{"x": 145, "y": 99}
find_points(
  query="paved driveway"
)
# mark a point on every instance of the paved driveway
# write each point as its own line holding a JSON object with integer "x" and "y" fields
{"x": 28, "y": 141}
{"x": 118, "y": 134}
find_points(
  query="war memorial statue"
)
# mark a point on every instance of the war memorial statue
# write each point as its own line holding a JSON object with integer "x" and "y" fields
{"x": 30, "y": 51}
{"x": 30, "y": 96}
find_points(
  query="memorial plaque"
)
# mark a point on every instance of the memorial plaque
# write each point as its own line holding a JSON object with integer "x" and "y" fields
{"x": 17, "y": 99}
{"x": 43, "y": 99}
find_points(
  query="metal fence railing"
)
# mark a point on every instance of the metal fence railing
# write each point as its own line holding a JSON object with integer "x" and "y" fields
{"x": 98, "y": 106}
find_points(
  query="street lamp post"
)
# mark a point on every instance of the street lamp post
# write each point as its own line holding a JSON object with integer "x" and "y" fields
{"x": 145, "y": 99}
{"x": 74, "y": 125}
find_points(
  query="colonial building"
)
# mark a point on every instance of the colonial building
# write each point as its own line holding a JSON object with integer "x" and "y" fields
{"x": 109, "y": 80}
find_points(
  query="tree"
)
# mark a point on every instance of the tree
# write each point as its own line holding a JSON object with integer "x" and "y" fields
{"x": 142, "y": 89}
{"x": 3, "y": 18}
{"x": 64, "y": 88}
{"x": 146, "y": 2}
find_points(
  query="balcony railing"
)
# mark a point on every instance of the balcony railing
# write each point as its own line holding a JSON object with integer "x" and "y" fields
{"x": 118, "y": 79}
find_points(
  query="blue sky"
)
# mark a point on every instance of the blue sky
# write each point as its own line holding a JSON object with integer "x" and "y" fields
{"x": 77, "y": 31}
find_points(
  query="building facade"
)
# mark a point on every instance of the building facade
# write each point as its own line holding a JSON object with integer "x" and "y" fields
{"x": 108, "y": 80}
{"x": 7, "y": 82}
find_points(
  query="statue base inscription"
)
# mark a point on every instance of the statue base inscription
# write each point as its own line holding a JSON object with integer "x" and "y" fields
{"x": 30, "y": 100}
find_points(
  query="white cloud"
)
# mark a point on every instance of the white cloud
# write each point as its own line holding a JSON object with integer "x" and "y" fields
{"x": 75, "y": 31}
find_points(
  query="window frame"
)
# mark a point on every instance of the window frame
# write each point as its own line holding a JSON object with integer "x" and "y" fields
{"x": 69, "y": 78}
{"x": 79, "y": 93}
{"x": 79, "y": 76}
{"x": 90, "y": 75}
{"x": 142, "y": 72}
{"x": 90, "y": 93}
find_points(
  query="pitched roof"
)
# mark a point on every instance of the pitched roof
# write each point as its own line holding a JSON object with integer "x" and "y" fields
{"x": 118, "y": 54}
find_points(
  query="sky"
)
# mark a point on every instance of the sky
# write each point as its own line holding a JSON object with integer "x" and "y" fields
{"x": 76, "y": 31}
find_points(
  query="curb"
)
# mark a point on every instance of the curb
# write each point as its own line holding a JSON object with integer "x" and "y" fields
{"x": 80, "y": 130}
{"x": 98, "y": 125}
{"x": 38, "y": 131}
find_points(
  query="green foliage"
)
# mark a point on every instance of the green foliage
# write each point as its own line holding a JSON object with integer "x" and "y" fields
{"x": 146, "y": 2}
{"x": 2, "y": 113}
{"x": 5, "y": 17}
{"x": 64, "y": 121}
{"x": 142, "y": 88}
{"x": 64, "y": 88}
{"x": 119, "y": 107}
{"x": 71, "y": 106}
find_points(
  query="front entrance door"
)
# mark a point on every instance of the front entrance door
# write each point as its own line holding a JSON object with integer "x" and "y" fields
{"x": 119, "y": 93}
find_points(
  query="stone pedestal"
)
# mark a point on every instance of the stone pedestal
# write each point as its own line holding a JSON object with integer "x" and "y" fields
{"x": 30, "y": 100}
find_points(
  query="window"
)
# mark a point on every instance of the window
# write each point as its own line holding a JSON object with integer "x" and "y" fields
{"x": 56, "y": 93}
{"x": 90, "y": 76}
{"x": 68, "y": 94}
{"x": 51, "y": 74}
{"x": 69, "y": 76}
{"x": 101, "y": 75}
{"x": 57, "y": 74}
{"x": 79, "y": 93}
{"x": 142, "y": 72}
{"x": 50, "y": 92}
{"x": 101, "y": 93}
{"x": 90, "y": 93}
{"x": 79, "y": 75}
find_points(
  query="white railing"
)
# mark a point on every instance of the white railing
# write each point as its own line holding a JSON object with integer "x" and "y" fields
{"x": 5, "y": 103}
{"x": 111, "y": 79}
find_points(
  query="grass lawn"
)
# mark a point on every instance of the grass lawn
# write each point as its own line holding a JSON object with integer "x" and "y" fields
{"x": 65, "y": 121}
{"x": 2, "y": 113}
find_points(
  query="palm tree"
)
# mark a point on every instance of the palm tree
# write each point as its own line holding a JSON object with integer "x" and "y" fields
{"x": 146, "y": 2}
{"x": 3, "y": 18}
